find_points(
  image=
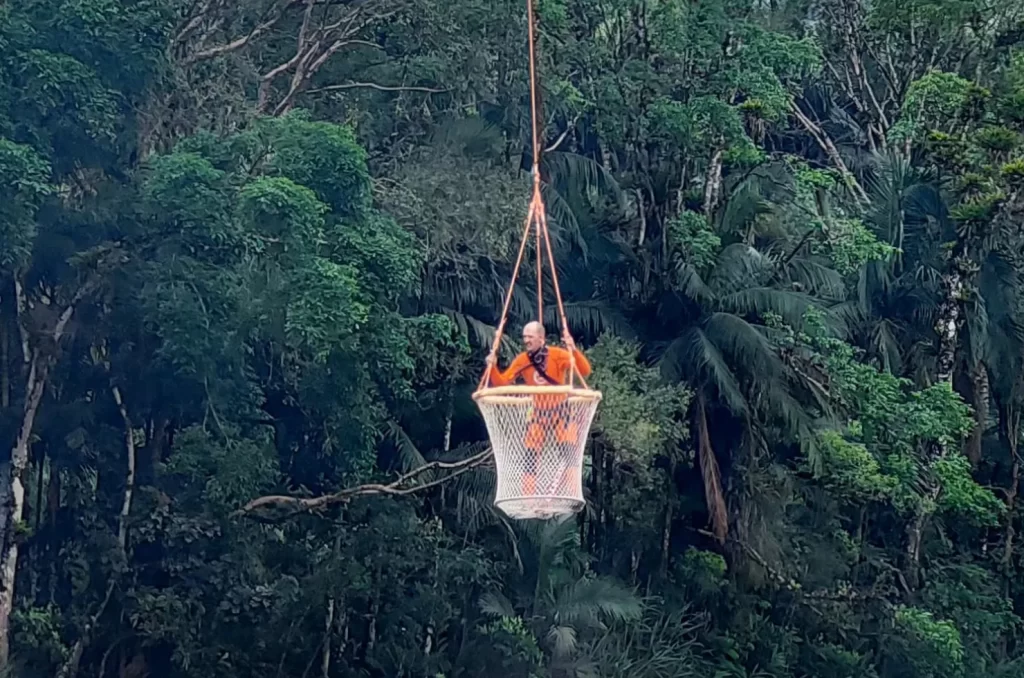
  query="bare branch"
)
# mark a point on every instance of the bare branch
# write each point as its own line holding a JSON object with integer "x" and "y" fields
{"x": 315, "y": 48}
{"x": 827, "y": 145}
{"x": 69, "y": 669}
{"x": 244, "y": 40}
{"x": 21, "y": 305}
{"x": 562, "y": 137}
{"x": 297, "y": 505}
{"x": 126, "y": 505}
{"x": 382, "y": 88}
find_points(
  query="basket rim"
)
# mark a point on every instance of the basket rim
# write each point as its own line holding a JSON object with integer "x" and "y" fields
{"x": 585, "y": 393}
{"x": 547, "y": 497}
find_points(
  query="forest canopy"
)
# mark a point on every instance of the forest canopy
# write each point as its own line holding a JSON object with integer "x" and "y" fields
{"x": 259, "y": 249}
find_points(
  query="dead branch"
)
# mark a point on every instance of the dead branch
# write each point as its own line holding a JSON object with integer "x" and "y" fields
{"x": 261, "y": 28}
{"x": 316, "y": 46}
{"x": 382, "y": 88}
{"x": 69, "y": 669}
{"x": 827, "y": 145}
{"x": 126, "y": 505}
{"x": 400, "y": 487}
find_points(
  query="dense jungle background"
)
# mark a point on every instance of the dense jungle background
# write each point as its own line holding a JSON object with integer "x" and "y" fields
{"x": 258, "y": 248}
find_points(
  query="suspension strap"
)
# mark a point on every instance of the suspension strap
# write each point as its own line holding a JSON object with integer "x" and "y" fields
{"x": 536, "y": 220}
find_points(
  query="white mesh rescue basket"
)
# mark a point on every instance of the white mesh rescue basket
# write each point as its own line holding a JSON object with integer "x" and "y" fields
{"x": 538, "y": 434}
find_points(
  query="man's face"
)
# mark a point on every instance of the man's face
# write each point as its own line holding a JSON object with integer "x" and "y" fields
{"x": 533, "y": 338}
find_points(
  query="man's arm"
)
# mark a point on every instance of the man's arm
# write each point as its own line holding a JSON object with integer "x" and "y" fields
{"x": 499, "y": 378}
{"x": 582, "y": 364}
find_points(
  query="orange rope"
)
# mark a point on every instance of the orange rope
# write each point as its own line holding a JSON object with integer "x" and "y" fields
{"x": 508, "y": 295}
{"x": 543, "y": 239}
{"x": 558, "y": 298}
{"x": 540, "y": 270}
{"x": 533, "y": 95}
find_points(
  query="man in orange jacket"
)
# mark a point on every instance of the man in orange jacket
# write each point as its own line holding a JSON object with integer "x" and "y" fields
{"x": 550, "y": 419}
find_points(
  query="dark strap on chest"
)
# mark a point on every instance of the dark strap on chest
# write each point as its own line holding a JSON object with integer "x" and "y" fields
{"x": 538, "y": 361}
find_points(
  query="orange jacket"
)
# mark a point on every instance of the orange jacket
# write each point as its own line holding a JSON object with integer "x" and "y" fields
{"x": 557, "y": 368}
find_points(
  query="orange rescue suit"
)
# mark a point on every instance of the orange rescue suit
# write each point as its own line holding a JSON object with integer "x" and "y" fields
{"x": 550, "y": 416}
{"x": 557, "y": 368}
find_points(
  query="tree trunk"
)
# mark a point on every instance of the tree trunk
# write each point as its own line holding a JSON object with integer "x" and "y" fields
{"x": 641, "y": 211}
{"x": 448, "y": 415}
{"x": 14, "y": 508}
{"x": 915, "y": 532}
{"x": 713, "y": 182}
{"x": 666, "y": 539}
{"x": 597, "y": 497}
{"x": 980, "y": 397}
{"x": 947, "y": 326}
{"x": 70, "y": 667}
{"x": 827, "y": 145}
{"x": 5, "y": 365}
{"x": 15, "y": 505}
{"x": 129, "y": 482}
{"x": 325, "y": 661}
{"x": 1011, "y": 417}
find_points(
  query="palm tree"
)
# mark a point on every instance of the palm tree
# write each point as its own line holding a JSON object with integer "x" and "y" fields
{"x": 556, "y": 596}
{"x": 718, "y": 338}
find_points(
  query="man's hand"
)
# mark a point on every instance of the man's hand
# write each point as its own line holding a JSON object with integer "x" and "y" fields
{"x": 569, "y": 342}
{"x": 491, "y": 360}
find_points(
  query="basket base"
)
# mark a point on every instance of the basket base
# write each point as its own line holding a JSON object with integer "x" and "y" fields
{"x": 539, "y": 507}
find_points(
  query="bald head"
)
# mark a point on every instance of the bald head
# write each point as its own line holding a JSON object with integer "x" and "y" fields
{"x": 533, "y": 336}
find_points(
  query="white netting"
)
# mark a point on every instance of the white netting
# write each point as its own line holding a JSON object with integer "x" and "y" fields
{"x": 538, "y": 434}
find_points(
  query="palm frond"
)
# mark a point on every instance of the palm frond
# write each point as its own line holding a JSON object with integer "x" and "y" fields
{"x": 817, "y": 279}
{"x": 480, "y": 334}
{"x": 590, "y": 602}
{"x": 562, "y": 640}
{"x": 592, "y": 317}
{"x": 409, "y": 456}
{"x": 562, "y": 223}
{"x": 791, "y": 306}
{"x": 744, "y": 344}
{"x": 744, "y": 204}
{"x": 696, "y": 359}
{"x": 887, "y": 187}
{"x": 474, "y": 497}
{"x": 495, "y": 604}
{"x": 710, "y": 474}
{"x": 574, "y": 174}
{"x": 692, "y": 286}
{"x": 551, "y": 539}
{"x": 886, "y": 346}
{"x": 739, "y": 265}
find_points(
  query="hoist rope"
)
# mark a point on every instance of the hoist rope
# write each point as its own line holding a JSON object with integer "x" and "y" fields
{"x": 536, "y": 218}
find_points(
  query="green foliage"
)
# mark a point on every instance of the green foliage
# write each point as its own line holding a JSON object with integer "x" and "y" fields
{"x": 25, "y": 179}
{"x": 285, "y": 272}
{"x": 691, "y": 238}
{"x": 930, "y": 647}
{"x": 39, "y": 628}
{"x": 997, "y": 139}
{"x": 639, "y": 416}
{"x": 517, "y": 647}
{"x": 977, "y": 210}
{"x": 849, "y": 245}
{"x": 937, "y": 101}
{"x": 880, "y": 455}
{"x": 963, "y": 497}
{"x": 854, "y": 472}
